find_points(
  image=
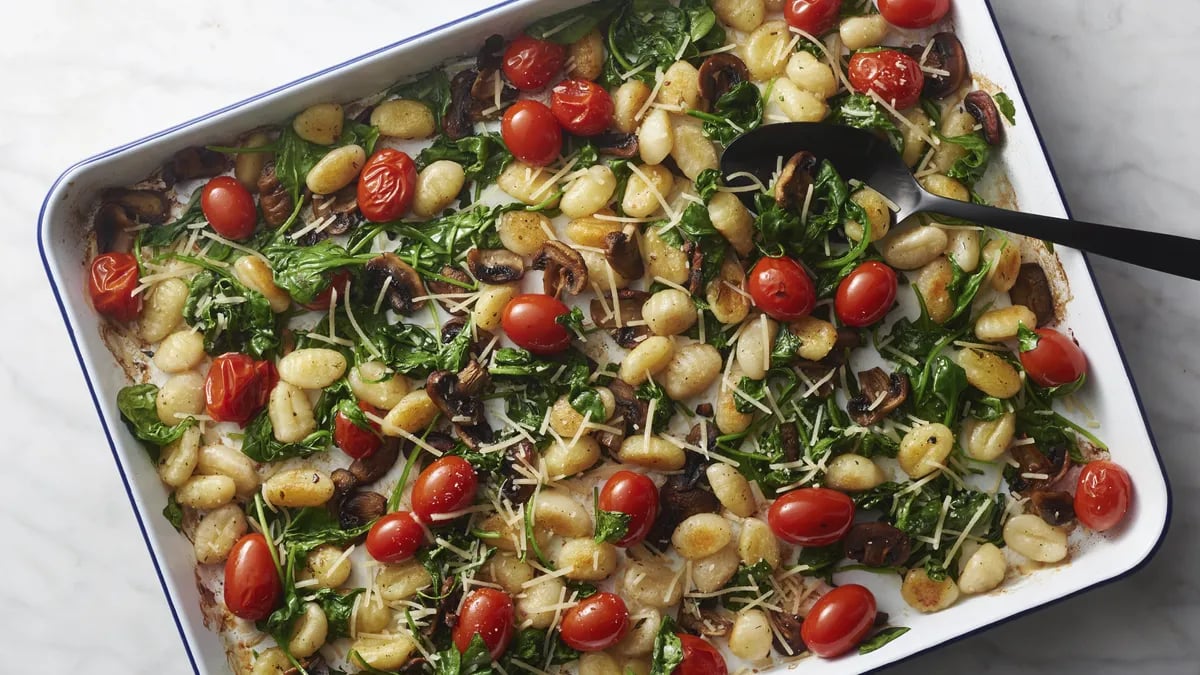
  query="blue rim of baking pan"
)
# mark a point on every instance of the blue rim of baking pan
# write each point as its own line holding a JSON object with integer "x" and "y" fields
{"x": 42, "y": 243}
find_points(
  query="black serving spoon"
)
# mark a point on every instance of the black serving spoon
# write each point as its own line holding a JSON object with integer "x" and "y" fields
{"x": 863, "y": 155}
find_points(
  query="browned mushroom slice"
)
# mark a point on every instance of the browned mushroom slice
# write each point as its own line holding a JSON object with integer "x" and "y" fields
{"x": 513, "y": 488}
{"x": 791, "y": 189}
{"x": 274, "y": 199}
{"x": 983, "y": 109}
{"x": 680, "y": 498}
{"x": 114, "y": 229}
{"x": 487, "y": 64}
{"x": 473, "y": 379}
{"x": 399, "y": 282}
{"x": 631, "y": 411}
{"x": 495, "y": 265}
{"x": 342, "y": 205}
{"x": 460, "y": 407}
{"x": 1053, "y": 506}
{"x": 787, "y": 633}
{"x": 361, "y": 508}
{"x": 718, "y": 74}
{"x": 879, "y": 395}
{"x": 457, "y": 122}
{"x": 455, "y": 326}
{"x": 367, "y": 470}
{"x": 622, "y": 253}
{"x": 945, "y": 55}
{"x": 144, "y": 206}
{"x": 630, "y": 301}
{"x": 616, "y": 144}
{"x": 789, "y": 441}
{"x": 440, "y": 287}
{"x": 712, "y": 622}
{"x": 564, "y": 268}
{"x": 877, "y": 545}
{"x": 194, "y": 162}
{"x": 707, "y": 433}
{"x": 344, "y": 482}
{"x": 1037, "y": 469}
{"x": 1032, "y": 290}
{"x": 695, "y": 256}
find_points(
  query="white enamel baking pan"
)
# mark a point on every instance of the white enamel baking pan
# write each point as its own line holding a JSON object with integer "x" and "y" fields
{"x": 1111, "y": 395}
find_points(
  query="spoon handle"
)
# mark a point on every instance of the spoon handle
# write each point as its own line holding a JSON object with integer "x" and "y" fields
{"x": 1153, "y": 250}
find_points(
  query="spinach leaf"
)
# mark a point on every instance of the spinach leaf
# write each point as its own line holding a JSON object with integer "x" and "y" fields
{"x": 431, "y": 245}
{"x": 432, "y": 89}
{"x": 232, "y": 318}
{"x": 664, "y": 408}
{"x": 668, "y": 650}
{"x": 530, "y": 646}
{"x": 861, "y": 112}
{"x": 166, "y": 234}
{"x": 820, "y": 560}
{"x": 611, "y": 526}
{"x": 571, "y": 25}
{"x": 173, "y": 512}
{"x": 749, "y": 392}
{"x": 971, "y": 167}
{"x": 260, "y": 445}
{"x": 530, "y": 385}
{"x": 858, "y": 8}
{"x": 482, "y": 157}
{"x": 140, "y": 413}
{"x": 295, "y": 157}
{"x": 573, "y": 321}
{"x": 964, "y": 287}
{"x": 707, "y": 183}
{"x": 781, "y": 230}
{"x": 407, "y": 348}
{"x": 649, "y": 34}
{"x": 881, "y": 638}
{"x": 475, "y": 660}
{"x": 737, "y": 111}
{"x": 755, "y": 460}
{"x": 785, "y": 350}
{"x": 940, "y": 399}
{"x": 1006, "y": 107}
{"x": 757, "y": 576}
{"x": 307, "y": 271}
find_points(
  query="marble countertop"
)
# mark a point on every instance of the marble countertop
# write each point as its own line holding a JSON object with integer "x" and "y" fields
{"x": 79, "y": 594}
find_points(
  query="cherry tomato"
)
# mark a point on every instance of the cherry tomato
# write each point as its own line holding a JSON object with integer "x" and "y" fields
{"x": 229, "y": 208}
{"x": 699, "y": 657}
{"x": 866, "y": 294}
{"x": 839, "y": 620}
{"x": 913, "y": 13}
{"x": 531, "y": 132}
{"x": 386, "y": 185}
{"x": 488, "y": 613}
{"x": 530, "y": 321}
{"x": 583, "y": 108}
{"x": 634, "y": 495}
{"x": 111, "y": 283}
{"x": 353, "y": 439}
{"x": 530, "y": 64}
{"x": 781, "y": 288}
{"x": 895, "y": 76}
{"x": 596, "y": 623}
{"x": 446, "y": 486}
{"x": 321, "y": 302}
{"x": 1102, "y": 495}
{"x": 814, "y": 17}
{"x": 395, "y": 537}
{"x": 811, "y": 516}
{"x": 252, "y": 586}
{"x": 237, "y": 387}
{"x": 1051, "y": 358}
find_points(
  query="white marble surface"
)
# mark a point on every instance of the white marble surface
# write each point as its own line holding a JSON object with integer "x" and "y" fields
{"x": 1111, "y": 82}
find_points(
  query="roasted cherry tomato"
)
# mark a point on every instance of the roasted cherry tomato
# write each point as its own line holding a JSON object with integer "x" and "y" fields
{"x": 488, "y": 613}
{"x": 395, "y": 537}
{"x": 811, "y": 516}
{"x": 583, "y": 108}
{"x": 839, "y": 620}
{"x": 1051, "y": 358}
{"x": 531, "y": 132}
{"x": 229, "y": 208}
{"x": 596, "y": 623}
{"x": 634, "y": 495}
{"x": 110, "y": 284}
{"x": 237, "y": 387}
{"x": 353, "y": 439}
{"x": 913, "y": 13}
{"x": 866, "y": 294}
{"x": 252, "y": 586}
{"x": 781, "y": 288}
{"x": 699, "y": 657}
{"x": 386, "y": 185}
{"x": 530, "y": 64}
{"x": 895, "y": 76}
{"x": 321, "y": 302}
{"x": 530, "y": 320}
{"x": 815, "y": 17}
{"x": 446, "y": 486}
{"x": 1102, "y": 495}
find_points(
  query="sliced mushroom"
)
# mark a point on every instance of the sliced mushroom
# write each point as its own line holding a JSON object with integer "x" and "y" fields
{"x": 616, "y": 144}
{"x": 457, "y": 397}
{"x": 791, "y": 190}
{"x": 114, "y": 228}
{"x": 718, "y": 74}
{"x": 695, "y": 256}
{"x": 1032, "y": 290}
{"x": 523, "y": 454}
{"x": 194, "y": 162}
{"x": 1033, "y": 463}
{"x": 367, "y": 470}
{"x": 1053, "y": 506}
{"x": 274, "y": 199}
{"x": 787, "y": 633}
{"x": 343, "y": 482}
{"x": 631, "y": 302}
{"x": 454, "y": 327}
{"x": 389, "y": 274}
{"x": 342, "y": 205}
{"x": 495, "y": 265}
{"x": 983, "y": 109}
{"x": 946, "y": 55}
{"x": 487, "y": 71}
{"x": 622, "y": 253}
{"x": 877, "y": 545}
{"x": 457, "y": 122}
{"x": 564, "y": 268}
{"x": 789, "y": 440}
{"x": 711, "y": 622}
{"x": 879, "y": 395}
{"x": 680, "y": 498}
{"x": 313, "y": 665}
{"x": 709, "y": 435}
{"x": 361, "y": 508}
{"x": 439, "y": 287}
{"x": 473, "y": 379}
{"x": 631, "y": 410}
{"x": 143, "y": 206}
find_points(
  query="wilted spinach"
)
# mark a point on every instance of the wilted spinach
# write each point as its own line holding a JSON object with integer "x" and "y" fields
{"x": 737, "y": 111}
{"x": 139, "y": 411}
{"x": 232, "y": 318}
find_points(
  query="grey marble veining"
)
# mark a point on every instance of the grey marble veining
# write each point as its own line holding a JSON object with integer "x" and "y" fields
{"x": 1111, "y": 82}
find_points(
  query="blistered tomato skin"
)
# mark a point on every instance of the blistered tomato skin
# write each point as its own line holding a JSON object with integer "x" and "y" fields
{"x": 839, "y": 621}
{"x": 111, "y": 282}
{"x": 386, "y": 185}
{"x": 596, "y": 623}
{"x": 395, "y": 537}
{"x": 531, "y": 64}
{"x": 895, "y": 76}
{"x": 781, "y": 288}
{"x": 1103, "y": 494}
{"x": 237, "y": 387}
{"x": 699, "y": 657}
{"x": 446, "y": 486}
{"x": 1051, "y": 358}
{"x": 913, "y": 13}
{"x": 531, "y": 132}
{"x": 530, "y": 320}
{"x": 229, "y": 208}
{"x": 866, "y": 294}
{"x": 353, "y": 439}
{"x": 811, "y": 516}
{"x": 489, "y": 613}
{"x": 324, "y": 299}
{"x": 252, "y": 587}
{"x": 583, "y": 108}
{"x": 634, "y": 495}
